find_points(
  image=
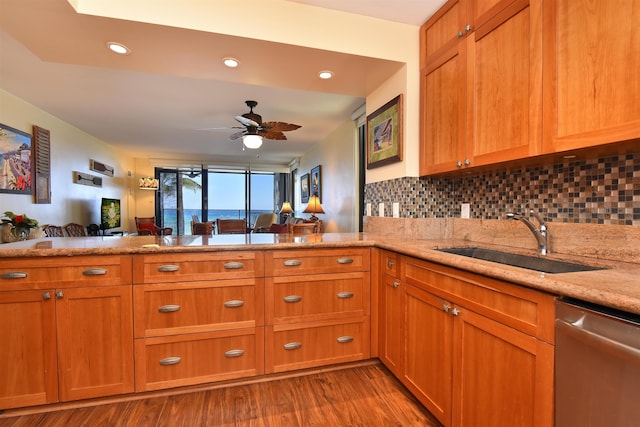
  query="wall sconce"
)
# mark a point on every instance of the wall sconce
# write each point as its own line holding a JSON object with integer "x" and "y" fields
{"x": 286, "y": 209}
{"x": 314, "y": 207}
{"x": 148, "y": 184}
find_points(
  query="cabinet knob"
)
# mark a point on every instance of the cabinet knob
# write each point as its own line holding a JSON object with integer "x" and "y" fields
{"x": 292, "y": 298}
{"x": 14, "y": 275}
{"x": 174, "y": 360}
{"x": 234, "y": 353}
{"x": 46, "y": 296}
{"x": 292, "y": 345}
{"x": 169, "y": 308}
{"x": 168, "y": 268}
{"x": 467, "y": 162}
{"x": 460, "y": 34}
{"x": 234, "y": 303}
{"x": 395, "y": 284}
{"x": 467, "y": 28}
{"x": 390, "y": 264}
{"x": 459, "y": 164}
{"x": 95, "y": 272}
{"x": 233, "y": 265}
{"x": 59, "y": 294}
{"x": 445, "y": 308}
{"x": 455, "y": 312}
{"x": 345, "y": 295}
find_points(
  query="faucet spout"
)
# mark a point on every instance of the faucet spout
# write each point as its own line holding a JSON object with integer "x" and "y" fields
{"x": 540, "y": 232}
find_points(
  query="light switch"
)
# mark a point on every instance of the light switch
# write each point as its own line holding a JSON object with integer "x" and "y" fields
{"x": 381, "y": 209}
{"x": 396, "y": 210}
{"x": 465, "y": 210}
{"x": 368, "y": 209}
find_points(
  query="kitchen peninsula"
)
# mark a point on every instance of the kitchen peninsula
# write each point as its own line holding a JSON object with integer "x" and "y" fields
{"x": 144, "y": 306}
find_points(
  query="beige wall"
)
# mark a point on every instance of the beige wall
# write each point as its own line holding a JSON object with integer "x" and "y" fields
{"x": 71, "y": 150}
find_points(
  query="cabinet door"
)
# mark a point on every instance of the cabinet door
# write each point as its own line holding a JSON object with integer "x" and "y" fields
{"x": 502, "y": 377}
{"x": 592, "y": 84}
{"x": 391, "y": 316}
{"x": 428, "y": 362}
{"x": 505, "y": 92}
{"x": 95, "y": 341}
{"x": 28, "y": 351}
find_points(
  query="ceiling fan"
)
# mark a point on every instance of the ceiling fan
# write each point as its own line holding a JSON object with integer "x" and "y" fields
{"x": 255, "y": 129}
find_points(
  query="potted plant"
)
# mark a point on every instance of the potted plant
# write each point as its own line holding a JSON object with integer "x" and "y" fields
{"x": 16, "y": 227}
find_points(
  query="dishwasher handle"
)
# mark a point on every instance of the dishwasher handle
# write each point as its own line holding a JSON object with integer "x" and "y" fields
{"x": 608, "y": 344}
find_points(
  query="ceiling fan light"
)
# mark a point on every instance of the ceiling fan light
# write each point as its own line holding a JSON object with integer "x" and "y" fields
{"x": 230, "y": 62}
{"x": 326, "y": 74}
{"x": 252, "y": 141}
{"x": 118, "y": 48}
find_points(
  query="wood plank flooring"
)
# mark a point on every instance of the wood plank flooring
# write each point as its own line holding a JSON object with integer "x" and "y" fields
{"x": 365, "y": 395}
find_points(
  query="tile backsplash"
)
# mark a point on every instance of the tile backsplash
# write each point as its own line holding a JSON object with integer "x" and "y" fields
{"x": 602, "y": 190}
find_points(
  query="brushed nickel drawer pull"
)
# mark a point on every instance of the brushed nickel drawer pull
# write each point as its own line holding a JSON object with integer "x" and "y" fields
{"x": 233, "y": 265}
{"x": 169, "y": 308}
{"x": 234, "y": 353}
{"x": 292, "y": 298}
{"x": 292, "y": 345}
{"x": 95, "y": 272}
{"x": 345, "y": 295}
{"x": 168, "y": 268}
{"x": 389, "y": 264}
{"x": 170, "y": 360}
{"x": 345, "y": 260}
{"x": 292, "y": 263}
{"x": 345, "y": 339}
{"x": 14, "y": 275}
{"x": 234, "y": 303}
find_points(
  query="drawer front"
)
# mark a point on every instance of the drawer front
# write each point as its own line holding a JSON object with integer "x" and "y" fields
{"x": 389, "y": 262}
{"x": 176, "y": 308}
{"x": 184, "y": 267}
{"x": 317, "y": 344}
{"x": 316, "y": 261}
{"x": 198, "y": 358}
{"x": 294, "y": 299}
{"x": 527, "y": 310}
{"x": 64, "y": 272}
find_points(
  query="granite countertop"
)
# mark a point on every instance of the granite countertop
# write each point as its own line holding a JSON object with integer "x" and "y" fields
{"x": 617, "y": 285}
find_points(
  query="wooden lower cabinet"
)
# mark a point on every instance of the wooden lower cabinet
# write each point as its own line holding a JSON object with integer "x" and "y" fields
{"x": 474, "y": 350}
{"x": 180, "y": 360}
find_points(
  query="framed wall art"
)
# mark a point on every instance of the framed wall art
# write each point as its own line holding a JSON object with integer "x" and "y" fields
{"x": 384, "y": 134}
{"x": 304, "y": 188}
{"x": 15, "y": 161}
{"x": 316, "y": 183}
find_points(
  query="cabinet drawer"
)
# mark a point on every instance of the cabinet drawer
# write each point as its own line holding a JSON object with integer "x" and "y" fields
{"x": 176, "y": 308}
{"x": 321, "y": 343}
{"x": 316, "y": 261}
{"x": 184, "y": 267}
{"x": 293, "y": 299}
{"x": 527, "y": 310}
{"x": 198, "y": 358}
{"x": 64, "y": 272}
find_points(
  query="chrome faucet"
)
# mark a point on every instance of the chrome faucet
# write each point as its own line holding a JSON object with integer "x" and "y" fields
{"x": 540, "y": 233}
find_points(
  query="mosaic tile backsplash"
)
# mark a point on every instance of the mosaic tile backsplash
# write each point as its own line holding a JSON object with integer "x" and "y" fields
{"x": 598, "y": 191}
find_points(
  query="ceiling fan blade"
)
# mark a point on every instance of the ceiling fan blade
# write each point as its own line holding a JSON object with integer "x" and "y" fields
{"x": 246, "y": 122}
{"x": 237, "y": 135}
{"x": 272, "y": 134}
{"x": 280, "y": 126}
{"x": 226, "y": 129}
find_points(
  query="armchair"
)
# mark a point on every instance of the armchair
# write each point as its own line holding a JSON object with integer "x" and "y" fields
{"x": 231, "y": 226}
{"x": 146, "y": 226}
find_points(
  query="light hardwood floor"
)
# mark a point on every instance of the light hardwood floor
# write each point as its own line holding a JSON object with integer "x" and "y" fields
{"x": 366, "y": 395}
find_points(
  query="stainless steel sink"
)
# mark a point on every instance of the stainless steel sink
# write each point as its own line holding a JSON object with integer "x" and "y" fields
{"x": 523, "y": 261}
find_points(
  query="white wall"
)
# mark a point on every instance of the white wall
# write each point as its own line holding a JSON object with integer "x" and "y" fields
{"x": 71, "y": 150}
{"x": 337, "y": 159}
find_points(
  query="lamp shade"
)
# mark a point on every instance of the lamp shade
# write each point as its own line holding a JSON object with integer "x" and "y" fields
{"x": 314, "y": 207}
{"x": 252, "y": 141}
{"x": 286, "y": 208}
{"x": 148, "y": 184}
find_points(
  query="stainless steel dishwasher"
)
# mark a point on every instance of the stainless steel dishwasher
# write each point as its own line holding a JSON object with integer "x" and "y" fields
{"x": 597, "y": 377}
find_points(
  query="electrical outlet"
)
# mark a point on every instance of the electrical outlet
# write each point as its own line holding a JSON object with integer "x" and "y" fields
{"x": 396, "y": 210}
{"x": 368, "y": 209}
{"x": 380, "y": 209}
{"x": 465, "y": 210}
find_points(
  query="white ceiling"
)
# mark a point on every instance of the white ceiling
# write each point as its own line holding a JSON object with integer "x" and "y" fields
{"x": 158, "y": 101}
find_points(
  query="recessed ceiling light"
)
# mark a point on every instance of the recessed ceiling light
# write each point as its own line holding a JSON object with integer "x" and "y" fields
{"x": 118, "y": 48}
{"x": 325, "y": 74}
{"x": 230, "y": 62}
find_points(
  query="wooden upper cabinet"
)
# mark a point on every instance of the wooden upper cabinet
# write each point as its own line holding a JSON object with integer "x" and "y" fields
{"x": 481, "y": 94}
{"x": 592, "y": 85}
